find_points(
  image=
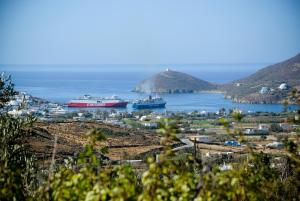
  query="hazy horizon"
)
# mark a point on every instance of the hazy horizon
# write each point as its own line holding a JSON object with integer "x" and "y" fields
{"x": 153, "y": 68}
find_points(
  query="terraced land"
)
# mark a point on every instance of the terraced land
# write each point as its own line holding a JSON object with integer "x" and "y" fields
{"x": 71, "y": 138}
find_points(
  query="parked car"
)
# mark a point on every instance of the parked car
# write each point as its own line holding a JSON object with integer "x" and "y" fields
{"x": 275, "y": 145}
{"x": 232, "y": 143}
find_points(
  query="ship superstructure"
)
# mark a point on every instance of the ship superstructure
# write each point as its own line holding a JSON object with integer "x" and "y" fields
{"x": 150, "y": 102}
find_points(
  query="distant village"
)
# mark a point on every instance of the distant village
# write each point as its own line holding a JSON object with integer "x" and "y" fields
{"x": 201, "y": 127}
{"x": 281, "y": 87}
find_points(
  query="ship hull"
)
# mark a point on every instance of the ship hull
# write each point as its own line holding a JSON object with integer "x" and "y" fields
{"x": 148, "y": 106}
{"x": 91, "y": 105}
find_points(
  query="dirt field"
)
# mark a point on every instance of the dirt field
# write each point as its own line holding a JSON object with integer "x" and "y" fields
{"x": 71, "y": 138}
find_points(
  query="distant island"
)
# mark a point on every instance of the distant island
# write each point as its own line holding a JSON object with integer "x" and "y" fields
{"x": 272, "y": 84}
{"x": 170, "y": 81}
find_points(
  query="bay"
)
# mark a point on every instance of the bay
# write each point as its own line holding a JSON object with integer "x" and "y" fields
{"x": 60, "y": 83}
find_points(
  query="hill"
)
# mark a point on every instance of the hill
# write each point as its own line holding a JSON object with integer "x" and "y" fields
{"x": 171, "y": 81}
{"x": 263, "y": 86}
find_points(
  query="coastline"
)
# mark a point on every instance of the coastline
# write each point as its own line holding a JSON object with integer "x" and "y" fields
{"x": 227, "y": 97}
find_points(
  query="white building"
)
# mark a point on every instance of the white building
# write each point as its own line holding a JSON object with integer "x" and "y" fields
{"x": 150, "y": 124}
{"x": 263, "y": 128}
{"x": 264, "y": 90}
{"x": 113, "y": 122}
{"x": 159, "y": 117}
{"x": 283, "y": 86}
{"x": 201, "y": 138}
{"x": 203, "y": 112}
{"x": 225, "y": 167}
{"x": 249, "y": 131}
{"x": 144, "y": 118}
{"x": 17, "y": 113}
{"x": 13, "y": 103}
{"x": 58, "y": 111}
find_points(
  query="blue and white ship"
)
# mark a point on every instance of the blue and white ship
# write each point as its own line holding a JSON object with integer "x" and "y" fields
{"x": 149, "y": 103}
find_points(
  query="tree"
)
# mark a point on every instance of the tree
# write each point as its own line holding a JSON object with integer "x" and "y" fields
{"x": 7, "y": 91}
{"x": 16, "y": 163}
{"x": 285, "y": 104}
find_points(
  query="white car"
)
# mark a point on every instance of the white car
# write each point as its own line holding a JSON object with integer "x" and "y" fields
{"x": 275, "y": 145}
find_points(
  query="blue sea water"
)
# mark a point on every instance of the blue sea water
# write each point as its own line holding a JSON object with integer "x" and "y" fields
{"x": 60, "y": 83}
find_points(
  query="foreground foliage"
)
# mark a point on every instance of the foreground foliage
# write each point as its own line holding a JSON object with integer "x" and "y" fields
{"x": 17, "y": 169}
{"x": 168, "y": 179}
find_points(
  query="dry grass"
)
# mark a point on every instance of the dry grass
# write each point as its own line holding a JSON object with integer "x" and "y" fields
{"x": 71, "y": 138}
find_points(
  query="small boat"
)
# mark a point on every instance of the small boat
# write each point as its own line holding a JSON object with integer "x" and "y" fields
{"x": 149, "y": 103}
{"x": 89, "y": 101}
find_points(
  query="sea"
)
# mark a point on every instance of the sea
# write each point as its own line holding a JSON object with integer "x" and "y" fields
{"x": 61, "y": 83}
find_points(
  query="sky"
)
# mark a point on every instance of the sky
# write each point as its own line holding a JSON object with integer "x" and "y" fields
{"x": 148, "y": 31}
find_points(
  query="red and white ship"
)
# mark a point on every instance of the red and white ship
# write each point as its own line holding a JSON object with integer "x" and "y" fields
{"x": 88, "y": 101}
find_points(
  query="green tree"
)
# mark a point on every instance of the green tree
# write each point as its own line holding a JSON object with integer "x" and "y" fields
{"x": 6, "y": 90}
{"x": 17, "y": 170}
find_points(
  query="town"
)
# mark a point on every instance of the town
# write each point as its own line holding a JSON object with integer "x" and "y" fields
{"x": 132, "y": 136}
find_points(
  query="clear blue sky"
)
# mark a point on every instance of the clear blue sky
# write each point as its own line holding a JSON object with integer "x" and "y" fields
{"x": 148, "y": 31}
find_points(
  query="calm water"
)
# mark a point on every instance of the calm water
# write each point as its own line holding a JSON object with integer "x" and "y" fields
{"x": 61, "y": 83}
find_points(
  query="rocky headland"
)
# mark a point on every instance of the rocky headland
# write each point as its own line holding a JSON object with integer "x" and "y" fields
{"x": 170, "y": 81}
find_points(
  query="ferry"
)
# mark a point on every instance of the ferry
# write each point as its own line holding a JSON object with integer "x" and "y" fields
{"x": 149, "y": 103}
{"x": 89, "y": 101}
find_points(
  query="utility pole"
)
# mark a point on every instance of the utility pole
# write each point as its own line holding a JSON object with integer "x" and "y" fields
{"x": 195, "y": 149}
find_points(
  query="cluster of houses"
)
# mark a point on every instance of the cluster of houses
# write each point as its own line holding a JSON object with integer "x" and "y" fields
{"x": 264, "y": 129}
{"x": 281, "y": 87}
{"x": 151, "y": 120}
{"x": 118, "y": 118}
{"x": 24, "y": 104}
